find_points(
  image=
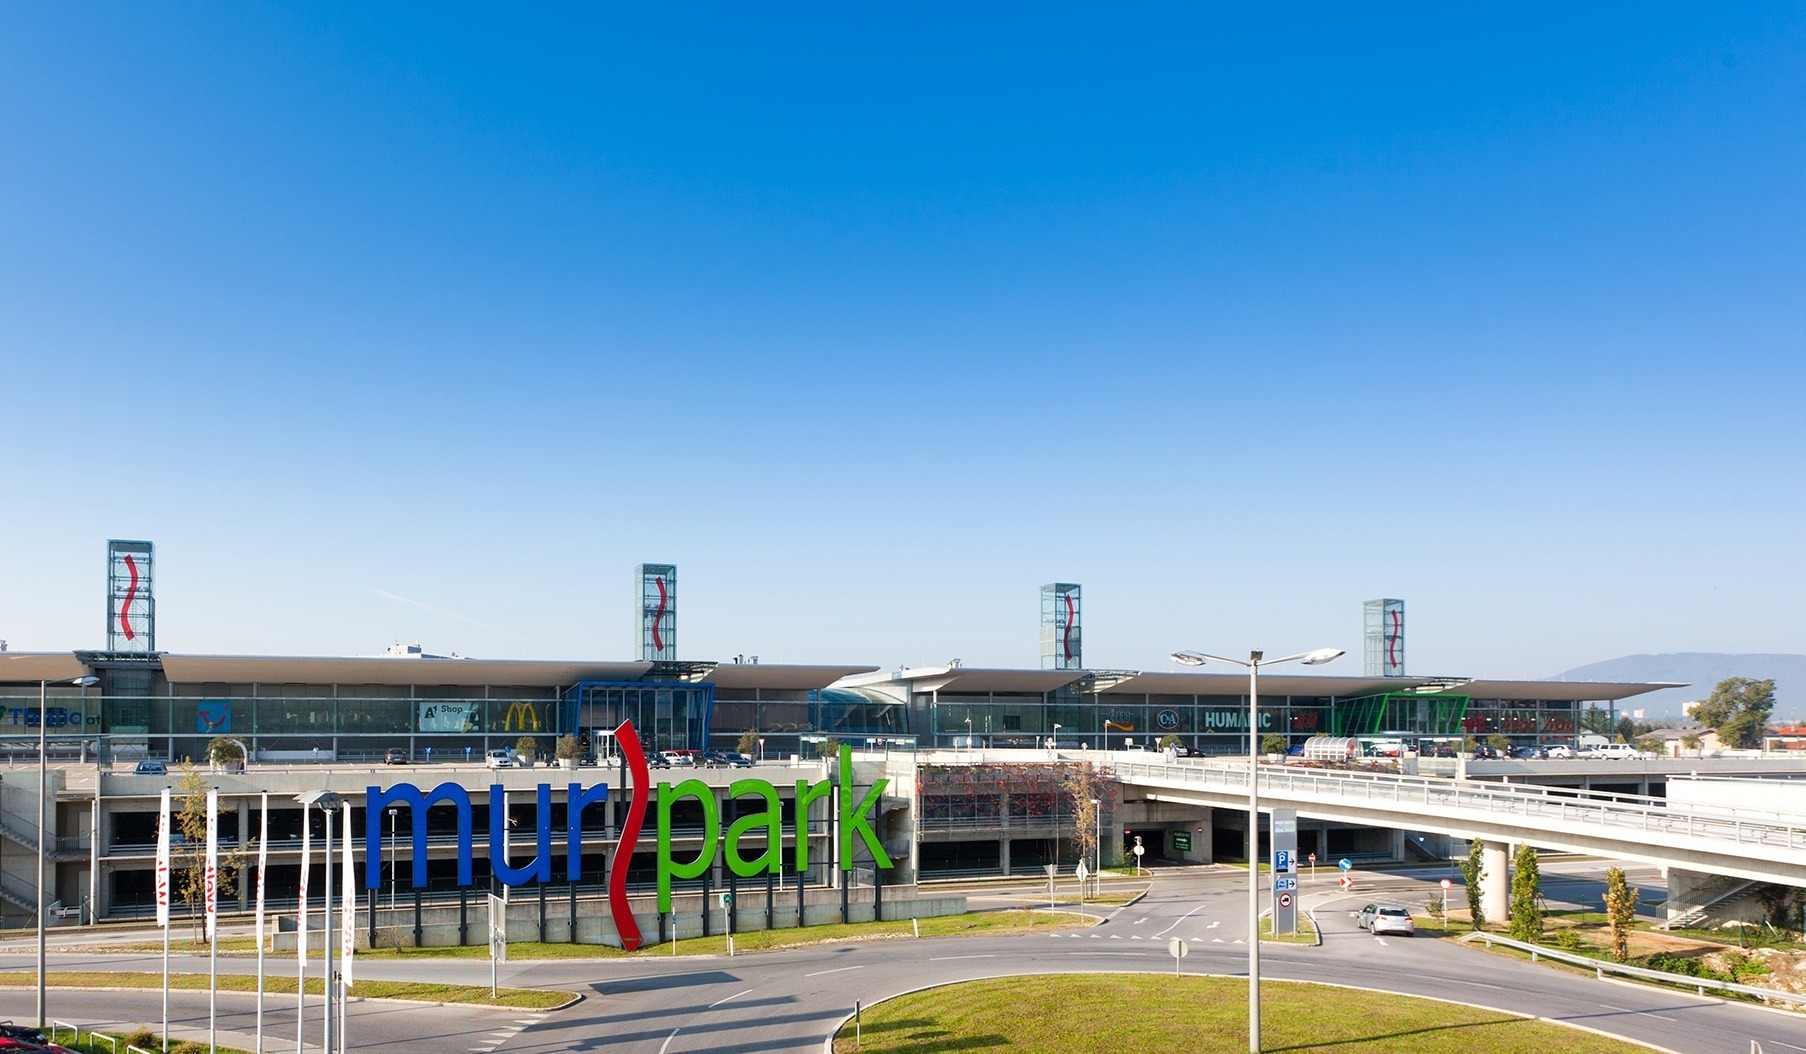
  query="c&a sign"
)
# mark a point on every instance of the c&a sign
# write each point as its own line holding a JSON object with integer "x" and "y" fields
{"x": 766, "y": 824}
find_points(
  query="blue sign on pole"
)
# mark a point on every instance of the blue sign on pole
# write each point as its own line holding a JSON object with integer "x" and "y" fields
{"x": 1285, "y": 885}
{"x": 1282, "y": 859}
{"x": 1345, "y": 864}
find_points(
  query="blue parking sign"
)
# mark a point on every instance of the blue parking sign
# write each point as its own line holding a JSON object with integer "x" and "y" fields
{"x": 1282, "y": 859}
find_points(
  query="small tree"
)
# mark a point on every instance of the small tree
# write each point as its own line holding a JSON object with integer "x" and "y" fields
{"x": 1273, "y": 743}
{"x": 749, "y": 741}
{"x": 828, "y": 748}
{"x": 1738, "y": 708}
{"x": 1472, "y": 869}
{"x": 566, "y": 748}
{"x": 1499, "y": 742}
{"x": 1652, "y": 744}
{"x": 1171, "y": 739}
{"x": 1620, "y": 910}
{"x": 223, "y": 750}
{"x": 526, "y": 747}
{"x": 1690, "y": 742}
{"x": 188, "y": 850}
{"x": 1526, "y": 897}
{"x": 1083, "y": 784}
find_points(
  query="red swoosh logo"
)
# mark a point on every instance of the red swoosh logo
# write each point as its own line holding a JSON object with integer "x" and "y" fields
{"x": 630, "y": 836}
{"x": 658, "y": 642}
{"x": 1392, "y": 645}
{"x": 1066, "y": 637}
{"x": 125, "y": 609}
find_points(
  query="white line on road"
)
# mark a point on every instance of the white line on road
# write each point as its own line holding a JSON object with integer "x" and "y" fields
{"x": 1180, "y": 919}
{"x": 666, "y": 1045}
{"x": 1645, "y": 1013}
{"x": 843, "y": 969}
{"x": 1106, "y": 953}
{"x": 1381, "y": 941}
{"x": 1476, "y": 984}
{"x": 730, "y": 998}
{"x": 944, "y": 958}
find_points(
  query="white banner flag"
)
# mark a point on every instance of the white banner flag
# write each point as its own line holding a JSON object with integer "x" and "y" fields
{"x": 212, "y": 874}
{"x": 263, "y": 860}
{"x": 307, "y": 860}
{"x": 349, "y": 901}
{"x": 163, "y": 862}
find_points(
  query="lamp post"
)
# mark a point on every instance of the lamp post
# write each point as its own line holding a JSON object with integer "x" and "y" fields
{"x": 968, "y": 731}
{"x": 1097, "y": 819}
{"x": 43, "y": 793}
{"x": 394, "y": 864}
{"x": 1253, "y": 664}
{"x": 328, "y": 803}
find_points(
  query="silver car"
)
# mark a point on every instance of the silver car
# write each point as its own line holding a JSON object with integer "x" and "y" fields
{"x": 1391, "y": 918}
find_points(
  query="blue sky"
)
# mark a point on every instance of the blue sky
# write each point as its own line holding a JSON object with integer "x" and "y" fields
{"x": 875, "y": 321}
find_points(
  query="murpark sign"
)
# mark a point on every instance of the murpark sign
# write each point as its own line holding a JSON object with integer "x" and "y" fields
{"x": 766, "y": 824}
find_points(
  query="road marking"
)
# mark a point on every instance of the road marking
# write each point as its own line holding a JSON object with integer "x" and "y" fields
{"x": 1116, "y": 936}
{"x": 1645, "y": 1013}
{"x": 730, "y": 998}
{"x": 1238, "y": 940}
{"x": 525, "y": 1021}
{"x": 1382, "y": 941}
{"x": 1141, "y": 920}
{"x": 1476, "y": 984}
{"x": 843, "y": 969}
{"x": 944, "y": 958}
{"x": 1214, "y": 924}
{"x": 1106, "y": 953}
{"x": 1180, "y": 919}
{"x": 666, "y": 1045}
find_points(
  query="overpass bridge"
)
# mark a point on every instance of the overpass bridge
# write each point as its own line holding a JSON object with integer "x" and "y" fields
{"x": 1748, "y": 844}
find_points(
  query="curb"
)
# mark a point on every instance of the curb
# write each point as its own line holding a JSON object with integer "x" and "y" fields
{"x": 576, "y": 997}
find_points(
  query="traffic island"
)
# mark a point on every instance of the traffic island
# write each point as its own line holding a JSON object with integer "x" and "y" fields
{"x": 1195, "y": 1015}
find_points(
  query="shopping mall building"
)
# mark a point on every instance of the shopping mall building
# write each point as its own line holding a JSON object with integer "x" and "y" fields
{"x": 294, "y": 711}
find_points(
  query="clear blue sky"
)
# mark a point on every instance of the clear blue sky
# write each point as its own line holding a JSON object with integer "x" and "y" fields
{"x": 427, "y": 323}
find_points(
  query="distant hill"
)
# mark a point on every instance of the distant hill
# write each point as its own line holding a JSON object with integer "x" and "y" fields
{"x": 1700, "y": 670}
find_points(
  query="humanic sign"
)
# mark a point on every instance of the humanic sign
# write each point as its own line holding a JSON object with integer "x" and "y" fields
{"x": 768, "y": 823}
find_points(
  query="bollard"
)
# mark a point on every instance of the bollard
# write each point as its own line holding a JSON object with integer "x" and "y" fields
{"x": 858, "y": 1026}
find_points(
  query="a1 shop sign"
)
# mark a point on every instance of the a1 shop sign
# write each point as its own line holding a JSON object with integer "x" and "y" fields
{"x": 766, "y": 823}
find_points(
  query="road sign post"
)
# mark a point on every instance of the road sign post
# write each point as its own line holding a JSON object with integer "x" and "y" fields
{"x": 1178, "y": 949}
{"x": 498, "y": 939}
{"x": 1284, "y": 841}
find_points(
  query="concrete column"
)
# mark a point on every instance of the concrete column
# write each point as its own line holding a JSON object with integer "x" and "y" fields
{"x": 1003, "y": 855}
{"x": 244, "y": 833}
{"x": 1495, "y": 881}
{"x": 1397, "y": 849}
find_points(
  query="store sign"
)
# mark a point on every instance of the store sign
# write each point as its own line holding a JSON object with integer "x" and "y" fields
{"x": 54, "y": 717}
{"x": 767, "y": 823}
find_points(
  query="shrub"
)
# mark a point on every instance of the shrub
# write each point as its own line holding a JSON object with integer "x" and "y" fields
{"x": 566, "y": 748}
{"x": 1272, "y": 743}
{"x": 142, "y": 1038}
{"x": 526, "y": 747}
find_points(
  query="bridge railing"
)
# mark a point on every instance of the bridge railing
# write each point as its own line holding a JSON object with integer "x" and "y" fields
{"x": 1601, "y": 967}
{"x": 1774, "y": 830}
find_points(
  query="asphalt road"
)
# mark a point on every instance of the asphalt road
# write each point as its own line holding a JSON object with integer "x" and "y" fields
{"x": 789, "y": 1001}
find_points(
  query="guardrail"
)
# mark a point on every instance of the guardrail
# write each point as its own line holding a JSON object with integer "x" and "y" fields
{"x": 1745, "y": 827}
{"x": 1600, "y": 968}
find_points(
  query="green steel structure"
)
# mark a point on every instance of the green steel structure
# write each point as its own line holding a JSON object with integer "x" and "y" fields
{"x": 1425, "y": 715}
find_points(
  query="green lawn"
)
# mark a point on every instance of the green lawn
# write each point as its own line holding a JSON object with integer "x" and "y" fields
{"x": 1307, "y": 934}
{"x": 985, "y": 922}
{"x": 517, "y": 998}
{"x": 1159, "y": 1014}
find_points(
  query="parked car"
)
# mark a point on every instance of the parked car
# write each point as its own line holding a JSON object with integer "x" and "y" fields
{"x": 1527, "y": 753}
{"x": 732, "y": 759}
{"x": 1560, "y": 752}
{"x": 1615, "y": 751}
{"x": 151, "y": 768}
{"x": 1391, "y": 918}
{"x": 657, "y": 760}
{"x": 395, "y": 756}
{"x": 684, "y": 759}
{"x": 499, "y": 759}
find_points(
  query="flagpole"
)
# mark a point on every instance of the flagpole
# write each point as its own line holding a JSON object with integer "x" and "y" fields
{"x": 307, "y": 833}
{"x": 212, "y": 918}
{"x": 162, "y": 884}
{"x": 263, "y": 859}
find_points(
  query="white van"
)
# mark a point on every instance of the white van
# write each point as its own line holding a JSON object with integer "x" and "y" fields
{"x": 1614, "y": 750}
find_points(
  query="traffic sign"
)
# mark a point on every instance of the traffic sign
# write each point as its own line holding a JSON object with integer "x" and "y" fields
{"x": 1082, "y": 871}
{"x": 1345, "y": 864}
{"x": 1177, "y": 948}
{"x": 1347, "y": 882}
{"x": 1285, "y": 883}
{"x": 727, "y": 900}
{"x": 1139, "y": 850}
{"x": 1446, "y": 884}
{"x": 1282, "y": 859}
{"x": 1313, "y": 859}
{"x": 1285, "y": 900}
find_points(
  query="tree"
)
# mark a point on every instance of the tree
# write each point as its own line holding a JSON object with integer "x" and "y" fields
{"x": 188, "y": 850}
{"x": 1594, "y": 719}
{"x": 1499, "y": 742}
{"x": 1650, "y": 743}
{"x": 1620, "y": 910}
{"x": 223, "y": 750}
{"x": 566, "y": 748}
{"x": 1526, "y": 898}
{"x": 749, "y": 742}
{"x": 1273, "y": 743}
{"x": 1738, "y": 708}
{"x": 1690, "y": 741}
{"x": 1472, "y": 869}
{"x": 526, "y": 747}
{"x": 1171, "y": 739}
{"x": 1083, "y": 784}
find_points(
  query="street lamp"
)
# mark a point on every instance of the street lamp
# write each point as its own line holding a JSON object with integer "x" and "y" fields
{"x": 968, "y": 731}
{"x": 328, "y": 803}
{"x": 1097, "y": 851}
{"x": 1253, "y": 664}
{"x": 394, "y": 864}
{"x": 43, "y": 793}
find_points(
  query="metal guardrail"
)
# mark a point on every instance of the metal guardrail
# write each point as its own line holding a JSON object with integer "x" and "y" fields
{"x": 1621, "y": 812}
{"x": 1601, "y": 967}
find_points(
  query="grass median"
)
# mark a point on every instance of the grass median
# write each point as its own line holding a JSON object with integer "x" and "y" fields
{"x": 476, "y": 995}
{"x": 1195, "y": 1015}
{"x": 974, "y": 923}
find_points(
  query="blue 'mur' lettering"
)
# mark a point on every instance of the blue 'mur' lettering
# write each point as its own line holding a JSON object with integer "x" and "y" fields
{"x": 376, "y": 800}
{"x": 541, "y": 867}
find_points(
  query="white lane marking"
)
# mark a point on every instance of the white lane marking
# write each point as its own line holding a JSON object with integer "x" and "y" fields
{"x": 1214, "y": 924}
{"x": 1382, "y": 941}
{"x": 1180, "y": 919}
{"x": 1106, "y": 953}
{"x": 944, "y": 958}
{"x": 1645, "y": 1013}
{"x": 1476, "y": 984}
{"x": 843, "y": 969}
{"x": 1219, "y": 940}
{"x": 730, "y": 998}
{"x": 525, "y": 1021}
{"x": 1141, "y": 920}
{"x": 1238, "y": 940}
{"x": 666, "y": 1045}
